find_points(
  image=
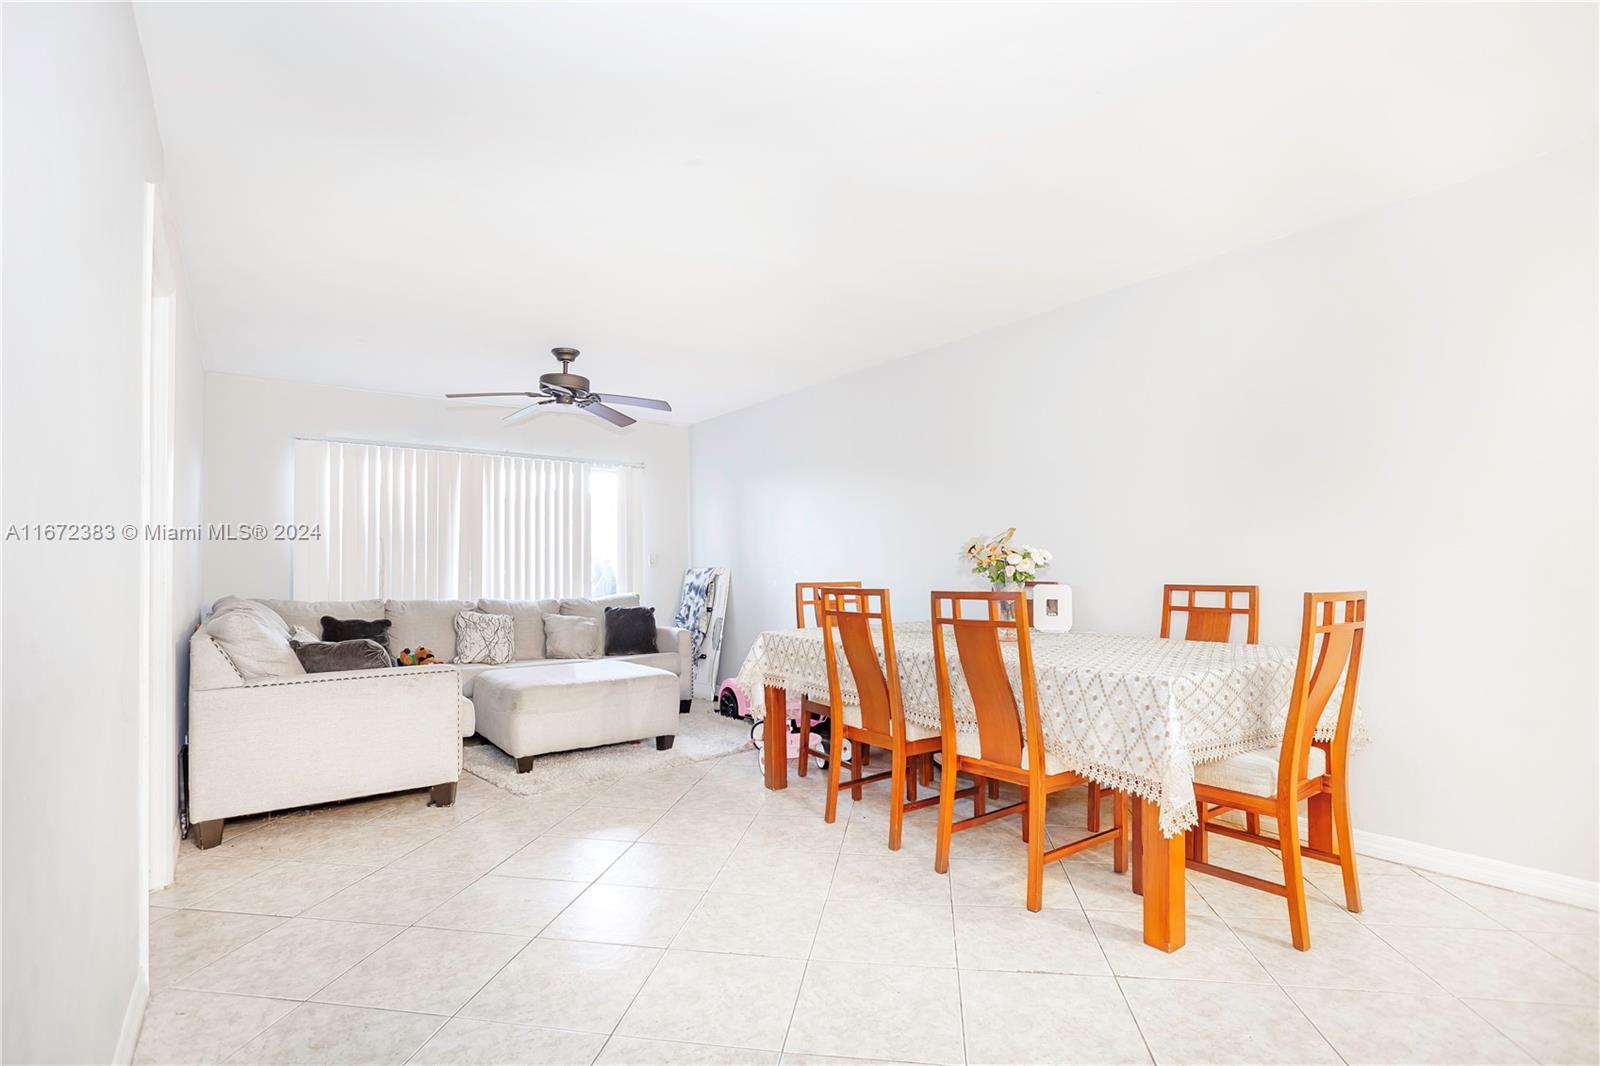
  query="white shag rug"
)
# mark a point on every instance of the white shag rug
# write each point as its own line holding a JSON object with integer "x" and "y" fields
{"x": 702, "y": 734}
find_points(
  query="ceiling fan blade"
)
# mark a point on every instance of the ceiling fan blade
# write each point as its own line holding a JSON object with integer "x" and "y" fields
{"x": 610, "y": 414}
{"x": 524, "y": 413}
{"x": 634, "y": 401}
{"x": 466, "y": 395}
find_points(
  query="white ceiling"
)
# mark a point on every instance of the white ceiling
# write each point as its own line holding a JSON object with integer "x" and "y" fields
{"x": 722, "y": 203}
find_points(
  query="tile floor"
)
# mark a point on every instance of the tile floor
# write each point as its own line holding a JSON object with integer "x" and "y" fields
{"x": 691, "y": 916}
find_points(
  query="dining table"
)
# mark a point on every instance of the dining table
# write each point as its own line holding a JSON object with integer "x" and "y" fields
{"x": 1133, "y": 714}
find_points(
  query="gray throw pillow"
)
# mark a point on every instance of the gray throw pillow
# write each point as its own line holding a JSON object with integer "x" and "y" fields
{"x": 570, "y": 637}
{"x": 630, "y": 631}
{"x": 324, "y": 656}
{"x": 483, "y": 637}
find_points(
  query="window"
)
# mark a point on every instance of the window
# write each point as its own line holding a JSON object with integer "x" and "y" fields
{"x": 427, "y": 523}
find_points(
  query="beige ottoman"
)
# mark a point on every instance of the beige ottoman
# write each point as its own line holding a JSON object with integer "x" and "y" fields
{"x": 531, "y": 710}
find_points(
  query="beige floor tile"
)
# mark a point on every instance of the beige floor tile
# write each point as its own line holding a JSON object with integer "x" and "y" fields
{"x": 1232, "y": 901}
{"x": 605, "y": 823}
{"x": 1416, "y": 901}
{"x": 1097, "y": 886}
{"x": 465, "y": 849}
{"x": 566, "y": 985}
{"x": 158, "y": 913}
{"x": 1199, "y": 1021}
{"x": 319, "y": 1034}
{"x": 473, "y": 1043}
{"x": 1330, "y": 880}
{"x": 426, "y": 970}
{"x": 899, "y": 875}
{"x": 181, "y": 1026}
{"x": 1514, "y": 910}
{"x": 1002, "y": 883}
{"x": 189, "y": 940}
{"x": 710, "y": 828}
{"x": 198, "y": 879}
{"x": 647, "y": 792}
{"x": 621, "y": 914}
{"x": 886, "y": 930}
{"x": 767, "y": 925}
{"x": 1211, "y": 952}
{"x": 1389, "y": 1027}
{"x": 363, "y": 844}
{"x": 530, "y": 815}
{"x": 519, "y": 906}
{"x": 293, "y": 960}
{"x": 634, "y": 1051}
{"x": 769, "y": 871}
{"x": 1490, "y": 964}
{"x": 897, "y": 1013}
{"x": 1580, "y": 952}
{"x": 1341, "y": 956}
{"x": 804, "y": 834}
{"x": 1047, "y": 1018}
{"x": 1555, "y": 1033}
{"x": 755, "y": 1016}
{"x": 1015, "y": 938}
{"x": 666, "y": 866}
{"x": 286, "y": 889}
{"x": 798, "y": 1058}
{"x": 563, "y": 859}
{"x": 392, "y": 897}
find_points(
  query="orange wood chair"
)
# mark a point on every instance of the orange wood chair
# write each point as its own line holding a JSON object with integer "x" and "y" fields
{"x": 1005, "y": 746}
{"x": 1212, "y": 622}
{"x": 1274, "y": 783}
{"x": 808, "y": 604}
{"x": 878, "y": 718}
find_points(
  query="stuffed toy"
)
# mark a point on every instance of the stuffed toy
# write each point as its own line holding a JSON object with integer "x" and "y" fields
{"x": 420, "y": 657}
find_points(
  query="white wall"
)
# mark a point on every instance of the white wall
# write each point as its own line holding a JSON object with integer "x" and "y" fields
{"x": 1404, "y": 402}
{"x": 250, "y": 428}
{"x": 80, "y": 143}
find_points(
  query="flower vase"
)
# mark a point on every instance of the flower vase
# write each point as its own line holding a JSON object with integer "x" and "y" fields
{"x": 1008, "y": 608}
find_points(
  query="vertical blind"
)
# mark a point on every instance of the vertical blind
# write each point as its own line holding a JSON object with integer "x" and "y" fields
{"x": 425, "y": 523}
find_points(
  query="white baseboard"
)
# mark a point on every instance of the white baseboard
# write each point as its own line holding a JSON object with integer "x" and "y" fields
{"x": 1561, "y": 888}
{"x": 132, "y": 1021}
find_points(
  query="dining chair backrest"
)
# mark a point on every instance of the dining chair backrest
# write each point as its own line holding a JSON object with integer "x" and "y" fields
{"x": 1333, "y": 628}
{"x": 808, "y": 599}
{"x": 1002, "y": 724}
{"x": 1211, "y": 621}
{"x": 847, "y": 614}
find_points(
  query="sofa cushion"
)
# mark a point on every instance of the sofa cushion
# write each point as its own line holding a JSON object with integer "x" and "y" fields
{"x": 482, "y": 637}
{"x": 595, "y": 611}
{"x": 571, "y": 637}
{"x": 630, "y": 631}
{"x": 309, "y": 613}
{"x": 321, "y": 656}
{"x": 527, "y": 620}
{"x": 427, "y": 624}
{"x": 254, "y": 638}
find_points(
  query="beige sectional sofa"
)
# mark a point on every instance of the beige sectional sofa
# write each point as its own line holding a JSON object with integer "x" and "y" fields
{"x": 264, "y": 735}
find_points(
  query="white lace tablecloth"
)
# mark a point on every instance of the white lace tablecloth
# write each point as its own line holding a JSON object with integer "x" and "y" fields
{"x": 1131, "y": 713}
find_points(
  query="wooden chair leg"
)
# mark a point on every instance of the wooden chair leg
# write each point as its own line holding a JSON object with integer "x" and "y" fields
{"x": 1136, "y": 848}
{"x": 1252, "y": 823}
{"x": 805, "y": 736}
{"x": 830, "y": 809}
{"x": 859, "y": 761}
{"x": 1293, "y": 876}
{"x": 899, "y": 783}
{"x": 994, "y": 788}
{"x": 912, "y": 775}
{"x": 926, "y": 763}
{"x": 1119, "y": 819}
{"x": 1026, "y": 820}
{"x": 947, "y": 812}
{"x": 1347, "y": 849}
{"x": 980, "y": 793}
{"x": 1034, "y": 821}
{"x": 1093, "y": 821}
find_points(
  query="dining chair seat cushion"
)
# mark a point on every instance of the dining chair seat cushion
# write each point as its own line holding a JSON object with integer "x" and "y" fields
{"x": 1254, "y": 772}
{"x": 967, "y": 744}
{"x": 852, "y": 717}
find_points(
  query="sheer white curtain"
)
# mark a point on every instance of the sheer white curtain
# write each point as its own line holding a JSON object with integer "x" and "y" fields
{"x": 424, "y": 523}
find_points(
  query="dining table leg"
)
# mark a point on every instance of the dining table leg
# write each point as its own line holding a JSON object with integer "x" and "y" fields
{"x": 1161, "y": 859}
{"x": 775, "y": 739}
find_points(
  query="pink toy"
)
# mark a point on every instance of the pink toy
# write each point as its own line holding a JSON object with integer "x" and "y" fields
{"x": 735, "y": 702}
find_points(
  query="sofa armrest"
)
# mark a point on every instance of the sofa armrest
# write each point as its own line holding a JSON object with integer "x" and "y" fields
{"x": 672, "y": 639}
{"x": 351, "y": 675}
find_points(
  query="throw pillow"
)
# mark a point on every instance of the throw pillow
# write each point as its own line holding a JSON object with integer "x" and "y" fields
{"x": 630, "y": 631}
{"x": 304, "y": 636}
{"x": 595, "y": 610}
{"x": 336, "y": 629}
{"x": 254, "y": 638}
{"x": 321, "y": 656}
{"x": 570, "y": 637}
{"x": 484, "y": 638}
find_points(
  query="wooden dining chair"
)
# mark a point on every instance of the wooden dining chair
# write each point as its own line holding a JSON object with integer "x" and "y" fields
{"x": 1007, "y": 745}
{"x": 808, "y": 604}
{"x": 877, "y": 716}
{"x": 1332, "y": 631}
{"x": 1203, "y": 621}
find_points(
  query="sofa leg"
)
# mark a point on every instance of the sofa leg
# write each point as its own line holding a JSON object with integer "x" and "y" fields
{"x": 442, "y": 795}
{"x": 683, "y": 706}
{"x": 208, "y": 834}
{"x": 665, "y": 742}
{"x": 524, "y": 763}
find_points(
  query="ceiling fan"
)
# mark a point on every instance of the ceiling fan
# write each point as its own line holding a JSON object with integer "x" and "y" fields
{"x": 571, "y": 390}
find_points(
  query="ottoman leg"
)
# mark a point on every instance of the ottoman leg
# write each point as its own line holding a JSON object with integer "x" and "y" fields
{"x": 208, "y": 834}
{"x": 524, "y": 763}
{"x": 665, "y": 742}
{"x": 442, "y": 795}
{"x": 683, "y": 706}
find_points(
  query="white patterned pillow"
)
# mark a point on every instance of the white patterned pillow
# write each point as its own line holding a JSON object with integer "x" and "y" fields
{"x": 483, "y": 637}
